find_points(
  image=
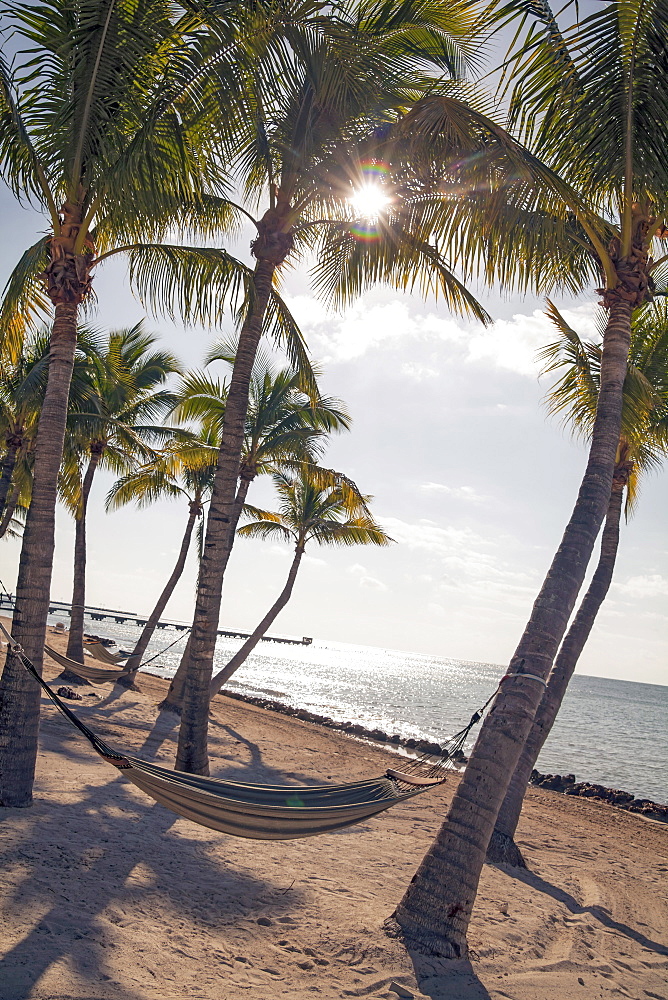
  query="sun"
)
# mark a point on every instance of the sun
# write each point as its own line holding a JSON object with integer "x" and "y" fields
{"x": 369, "y": 201}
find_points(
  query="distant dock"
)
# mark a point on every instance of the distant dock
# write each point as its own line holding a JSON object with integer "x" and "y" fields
{"x": 130, "y": 618}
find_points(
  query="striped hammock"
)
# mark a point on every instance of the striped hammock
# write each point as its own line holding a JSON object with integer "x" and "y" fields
{"x": 254, "y": 811}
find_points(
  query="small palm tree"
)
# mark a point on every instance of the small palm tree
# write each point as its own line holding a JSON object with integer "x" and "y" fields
{"x": 284, "y": 429}
{"x": 307, "y": 513}
{"x": 184, "y": 469}
{"x": 23, "y": 383}
{"x": 643, "y": 446}
{"x": 127, "y": 389}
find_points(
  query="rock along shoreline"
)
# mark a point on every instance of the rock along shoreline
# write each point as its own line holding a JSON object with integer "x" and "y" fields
{"x": 565, "y": 784}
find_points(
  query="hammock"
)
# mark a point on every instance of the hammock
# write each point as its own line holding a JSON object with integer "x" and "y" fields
{"x": 266, "y": 812}
{"x": 100, "y": 652}
{"x": 96, "y": 675}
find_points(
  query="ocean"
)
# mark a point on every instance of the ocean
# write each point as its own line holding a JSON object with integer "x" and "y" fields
{"x": 608, "y": 731}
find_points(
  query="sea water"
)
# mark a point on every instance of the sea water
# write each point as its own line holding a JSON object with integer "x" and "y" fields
{"x": 607, "y": 731}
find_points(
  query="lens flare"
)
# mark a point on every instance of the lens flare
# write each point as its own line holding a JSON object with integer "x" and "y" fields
{"x": 369, "y": 199}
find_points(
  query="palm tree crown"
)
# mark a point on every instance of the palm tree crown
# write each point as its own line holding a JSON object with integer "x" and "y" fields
{"x": 309, "y": 512}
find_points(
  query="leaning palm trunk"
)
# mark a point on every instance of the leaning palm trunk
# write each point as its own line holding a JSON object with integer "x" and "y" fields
{"x": 134, "y": 661}
{"x": 192, "y": 754}
{"x": 19, "y": 695}
{"x": 251, "y": 642}
{"x": 173, "y": 702}
{"x": 434, "y": 914}
{"x": 10, "y": 507}
{"x": 75, "y": 649}
{"x": 502, "y": 847}
{"x": 8, "y": 465}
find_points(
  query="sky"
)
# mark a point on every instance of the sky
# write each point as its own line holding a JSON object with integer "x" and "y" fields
{"x": 471, "y": 478}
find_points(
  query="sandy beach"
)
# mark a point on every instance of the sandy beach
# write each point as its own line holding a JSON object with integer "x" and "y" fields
{"x": 108, "y": 896}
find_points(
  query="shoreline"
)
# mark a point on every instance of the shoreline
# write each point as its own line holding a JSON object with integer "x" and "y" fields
{"x": 108, "y": 895}
{"x": 566, "y": 784}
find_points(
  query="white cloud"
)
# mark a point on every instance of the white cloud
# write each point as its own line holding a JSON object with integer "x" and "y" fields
{"x": 418, "y": 372}
{"x": 641, "y": 587}
{"x": 467, "y": 562}
{"x": 510, "y": 344}
{"x": 513, "y": 343}
{"x": 459, "y": 492}
{"x": 364, "y": 579}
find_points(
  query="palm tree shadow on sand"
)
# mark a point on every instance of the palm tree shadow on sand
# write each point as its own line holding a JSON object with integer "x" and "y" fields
{"x": 597, "y": 912}
{"x": 94, "y": 845}
{"x": 442, "y": 979}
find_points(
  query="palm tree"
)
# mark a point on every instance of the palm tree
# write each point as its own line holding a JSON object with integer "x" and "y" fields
{"x": 307, "y": 118}
{"x": 109, "y": 127}
{"x": 183, "y": 469}
{"x": 643, "y": 444}
{"x": 284, "y": 428}
{"x": 127, "y": 389}
{"x": 22, "y": 387}
{"x": 307, "y": 512}
{"x": 591, "y": 102}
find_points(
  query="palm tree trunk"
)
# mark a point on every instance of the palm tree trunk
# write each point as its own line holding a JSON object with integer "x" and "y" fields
{"x": 173, "y": 702}
{"x": 75, "y": 649}
{"x": 10, "y": 507}
{"x": 8, "y": 464}
{"x": 192, "y": 755}
{"x": 502, "y": 847}
{"x": 134, "y": 661}
{"x": 434, "y": 914}
{"x": 251, "y": 642}
{"x": 19, "y": 694}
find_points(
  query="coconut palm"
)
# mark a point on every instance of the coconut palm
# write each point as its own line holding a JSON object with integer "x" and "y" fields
{"x": 643, "y": 445}
{"x": 22, "y": 388}
{"x": 283, "y": 428}
{"x": 184, "y": 469}
{"x": 591, "y": 101}
{"x": 307, "y": 512}
{"x": 307, "y": 117}
{"x": 109, "y": 126}
{"x": 127, "y": 389}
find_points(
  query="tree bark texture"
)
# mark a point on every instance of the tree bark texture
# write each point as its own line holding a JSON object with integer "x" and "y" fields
{"x": 8, "y": 464}
{"x": 192, "y": 754}
{"x": 173, "y": 702}
{"x": 19, "y": 694}
{"x": 565, "y": 664}
{"x": 134, "y": 661}
{"x": 75, "y": 649}
{"x": 10, "y": 507}
{"x": 251, "y": 642}
{"x": 434, "y": 914}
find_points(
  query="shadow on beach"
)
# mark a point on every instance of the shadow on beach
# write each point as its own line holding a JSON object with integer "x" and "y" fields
{"x": 95, "y": 843}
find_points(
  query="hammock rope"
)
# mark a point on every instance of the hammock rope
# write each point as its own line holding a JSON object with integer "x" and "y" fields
{"x": 269, "y": 812}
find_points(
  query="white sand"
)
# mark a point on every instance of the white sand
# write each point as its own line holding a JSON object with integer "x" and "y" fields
{"x": 107, "y": 896}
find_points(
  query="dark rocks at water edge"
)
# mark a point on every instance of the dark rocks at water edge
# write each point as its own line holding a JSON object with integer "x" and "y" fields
{"x": 567, "y": 784}
{"x": 351, "y": 728}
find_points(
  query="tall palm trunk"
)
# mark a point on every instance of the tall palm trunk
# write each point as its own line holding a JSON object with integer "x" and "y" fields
{"x": 134, "y": 661}
{"x": 13, "y": 443}
{"x": 173, "y": 702}
{"x": 19, "y": 694}
{"x": 251, "y": 642}
{"x": 75, "y": 649}
{"x": 10, "y": 507}
{"x": 192, "y": 754}
{"x": 502, "y": 848}
{"x": 434, "y": 914}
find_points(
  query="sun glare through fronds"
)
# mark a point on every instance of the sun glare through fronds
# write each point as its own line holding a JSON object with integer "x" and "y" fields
{"x": 370, "y": 197}
{"x": 369, "y": 201}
